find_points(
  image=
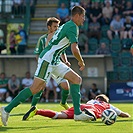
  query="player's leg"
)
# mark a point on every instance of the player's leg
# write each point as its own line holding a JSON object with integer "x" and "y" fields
{"x": 64, "y": 94}
{"x": 42, "y": 72}
{"x": 51, "y": 114}
{"x": 55, "y": 95}
{"x": 20, "y": 98}
{"x": 47, "y": 94}
{"x": 75, "y": 80}
{"x": 36, "y": 97}
{"x": 65, "y": 72}
{"x": 64, "y": 85}
{"x": 47, "y": 113}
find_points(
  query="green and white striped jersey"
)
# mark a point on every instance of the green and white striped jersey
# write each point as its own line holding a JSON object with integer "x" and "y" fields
{"x": 40, "y": 44}
{"x": 66, "y": 35}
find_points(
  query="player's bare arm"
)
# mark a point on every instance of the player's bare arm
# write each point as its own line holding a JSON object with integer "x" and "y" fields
{"x": 76, "y": 53}
{"x": 64, "y": 59}
{"x": 124, "y": 114}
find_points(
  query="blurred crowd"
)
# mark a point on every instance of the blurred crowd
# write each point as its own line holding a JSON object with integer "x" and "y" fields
{"x": 116, "y": 16}
{"x": 11, "y": 86}
{"x": 105, "y": 20}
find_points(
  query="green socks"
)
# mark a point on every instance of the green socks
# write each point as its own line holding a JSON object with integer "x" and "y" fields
{"x": 64, "y": 95}
{"x": 36, "y": 98}
{"x": 20, "y": 98}
{"x": 75, "y": 93}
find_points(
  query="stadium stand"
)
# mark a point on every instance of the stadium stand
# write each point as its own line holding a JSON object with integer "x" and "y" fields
{"x": 36, "y": 26}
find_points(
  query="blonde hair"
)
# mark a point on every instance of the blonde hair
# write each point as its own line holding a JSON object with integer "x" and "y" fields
{"x": 52, "y": 20}
{"x": 102, "y": 97}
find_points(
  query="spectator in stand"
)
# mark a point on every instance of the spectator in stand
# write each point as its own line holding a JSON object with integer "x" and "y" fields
{"x": 94, "y": 29}
{"x": 96, "y": 13}
{"x": 110, "y": 1}
{"x": 74, "y": 3}
{"x": 103, "y": 49}
{"x": 128, "y": 11}
{"x": 2, "y": 45}
{"x": 27, "y": 81}
{"x": 83, "y": 94}
{"x": 128, "y": 27}
{"x": 22, "y": 40}
{"x": 116, "y": 28}
{"x": 116, "y": 11}
{"x": 13, "y": 86}
{"x": 32, "y": 7}
{"x": 93, "y": 91}
{"x": 107, "y": 12}
{"x": 120, "y": 4}
{"x": 12, "y": 42}
{"x": 3, "y": 86}
{"x": 101, "y": 2}
{"x": 51, "y": 86}
{"x": 87, "y": 7}
{"x": 17, "y": 8}
{"x": 83, "y": 42}
{"x": 63, "y": 14}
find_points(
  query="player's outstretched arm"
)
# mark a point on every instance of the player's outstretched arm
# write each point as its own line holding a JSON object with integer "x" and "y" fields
{"x": 124, "y": 114}
{"x": 76, "y": 52}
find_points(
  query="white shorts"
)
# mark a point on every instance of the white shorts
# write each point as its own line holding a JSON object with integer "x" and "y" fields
{"x": 58, "y": 79}
{"x": 3, "y": 90}
{"x": 45, "y": 70}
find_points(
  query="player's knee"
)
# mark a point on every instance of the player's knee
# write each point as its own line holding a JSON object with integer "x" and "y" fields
{"x": 36, "y": 89}
{"x": 65, "y": 85}
{"x": 77, "y": 80}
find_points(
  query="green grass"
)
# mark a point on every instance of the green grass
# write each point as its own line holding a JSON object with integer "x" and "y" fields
{"x": 39, "y": 124}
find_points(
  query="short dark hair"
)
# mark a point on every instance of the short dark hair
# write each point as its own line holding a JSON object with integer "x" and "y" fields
{"x": 94, "y": 84}
{"x": 2, "y": 73}
{"x": 52, "y": 20}
{"x": 77, "y": 10}
{"x": 102, "y": 97}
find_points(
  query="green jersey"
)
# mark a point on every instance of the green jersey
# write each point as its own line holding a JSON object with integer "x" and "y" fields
{"x": 3, "y": 81}
{"x": 40, "y": 44}
{"x": 66, "y": 35}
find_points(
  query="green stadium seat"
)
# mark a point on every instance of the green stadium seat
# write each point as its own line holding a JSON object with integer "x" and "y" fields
{"x": 126, "y": 58}
{"x": 116, "y": 60}
{"x": 104, "y": 30}
{"x": 115, "y": 45}
{"x": 124, "y": 76}
{"x": 105, "y": 40}
{"x": 124, "y": 73}
{"x": 112, "y": 76}
{"x": 126, "y": 43}
{"x": 93, "y": 44}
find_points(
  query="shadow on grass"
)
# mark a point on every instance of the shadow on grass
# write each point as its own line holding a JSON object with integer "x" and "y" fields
{"x": 100, "y": 123}
{"x": 20, "y": 114}
{"x": 25, "y": 128}
{"x": 131, "y": 120}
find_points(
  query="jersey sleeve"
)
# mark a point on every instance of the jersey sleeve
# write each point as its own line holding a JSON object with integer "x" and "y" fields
{"x": 39, "y": 46}
{"x": 72, "y": 34}
{"x": 118, "y": 111}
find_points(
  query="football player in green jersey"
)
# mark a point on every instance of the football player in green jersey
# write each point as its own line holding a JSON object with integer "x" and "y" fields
{"x": 49, "y": 62}
{"x": 52, "y": 25}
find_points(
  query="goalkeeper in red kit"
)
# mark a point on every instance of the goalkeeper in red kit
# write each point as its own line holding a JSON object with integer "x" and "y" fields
{"x": 93, "y": 108}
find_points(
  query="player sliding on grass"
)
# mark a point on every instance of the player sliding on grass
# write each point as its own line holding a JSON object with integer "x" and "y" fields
{"x": 49, "y": 63}
{"x": 52, "y": 25}
{"x": 92, "y": 107}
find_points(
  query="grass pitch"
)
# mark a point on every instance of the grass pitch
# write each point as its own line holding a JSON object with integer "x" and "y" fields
{"x": 39, "y": 124}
